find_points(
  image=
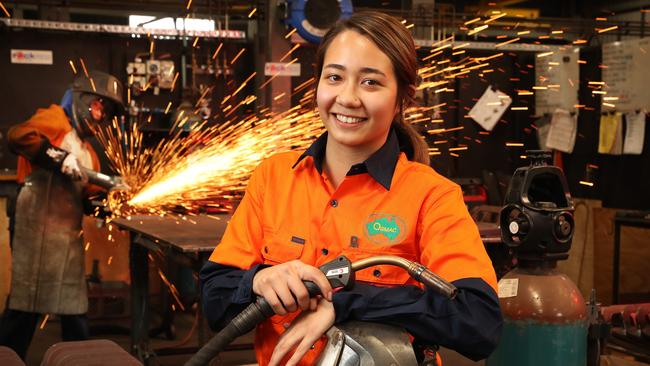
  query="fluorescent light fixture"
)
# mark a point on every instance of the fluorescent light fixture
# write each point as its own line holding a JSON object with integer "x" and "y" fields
{"x": 148, "y": 22}
{"x": 195, "y": 24}
{"x": 188, "y": 24}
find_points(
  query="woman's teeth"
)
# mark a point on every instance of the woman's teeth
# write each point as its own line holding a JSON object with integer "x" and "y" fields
{"x": 346, "y": 119}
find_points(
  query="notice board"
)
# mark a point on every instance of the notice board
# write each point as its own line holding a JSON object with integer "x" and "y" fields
{"x": 626, "y": 74}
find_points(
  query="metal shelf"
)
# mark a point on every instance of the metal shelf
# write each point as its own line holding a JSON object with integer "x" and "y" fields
{"x": 119, "y": 29}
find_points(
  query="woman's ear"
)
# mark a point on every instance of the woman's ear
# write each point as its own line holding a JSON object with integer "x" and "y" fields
{"x": 412, "y": 90}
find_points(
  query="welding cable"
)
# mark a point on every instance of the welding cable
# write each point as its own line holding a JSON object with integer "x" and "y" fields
{"x": 243, "y": 323}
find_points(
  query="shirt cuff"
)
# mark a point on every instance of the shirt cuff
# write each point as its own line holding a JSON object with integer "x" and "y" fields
{"x": 244, "y": 293}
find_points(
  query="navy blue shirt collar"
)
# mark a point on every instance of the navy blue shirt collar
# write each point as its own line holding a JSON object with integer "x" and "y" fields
{"x": 380, "y": 165}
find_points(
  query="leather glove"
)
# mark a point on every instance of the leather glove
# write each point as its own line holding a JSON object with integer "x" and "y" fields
{"x": 70, "y": 167}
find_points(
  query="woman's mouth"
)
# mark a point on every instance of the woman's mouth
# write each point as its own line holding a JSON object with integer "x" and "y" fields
{"x": 348, "y": 119}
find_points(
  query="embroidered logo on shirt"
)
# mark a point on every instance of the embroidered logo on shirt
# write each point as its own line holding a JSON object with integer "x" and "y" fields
{"x": 385, "y": 229}
{"x": 298, "y": 240}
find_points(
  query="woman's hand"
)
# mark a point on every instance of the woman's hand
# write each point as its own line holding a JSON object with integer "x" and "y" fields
{"x": 305, "y": 330}
{"x": 281, "y": 285}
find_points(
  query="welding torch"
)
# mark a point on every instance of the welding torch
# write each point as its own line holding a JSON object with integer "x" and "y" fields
{"x": 341, "y": 275}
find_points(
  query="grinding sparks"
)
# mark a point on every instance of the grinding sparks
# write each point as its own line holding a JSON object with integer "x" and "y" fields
{"x": 74, "y": 69}
{"x": 225, "y": 164}
{"x": 237, "y": 56}
{"x": 290, "y": 33}
{"x": 5, "y": 10}
{"x": 47, "y": 316}
{"x": 211, "y": 164}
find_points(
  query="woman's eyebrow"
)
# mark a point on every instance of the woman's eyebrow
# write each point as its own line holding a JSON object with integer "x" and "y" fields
{"x": 364, "y": 70}
{"x": 335, "y": 66}
{"x": 370, "y": 70}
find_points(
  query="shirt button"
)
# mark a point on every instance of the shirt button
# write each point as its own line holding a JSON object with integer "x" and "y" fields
{"x": 325, "y": 251}
{"x": 334, "y": 203}
{"x": 376, "y": 273}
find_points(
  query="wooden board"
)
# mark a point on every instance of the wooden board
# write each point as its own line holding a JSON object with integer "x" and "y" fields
{"x": 634, "y": 261}
{"x": 579, "y": 267}
{"x": 5, "y": 255}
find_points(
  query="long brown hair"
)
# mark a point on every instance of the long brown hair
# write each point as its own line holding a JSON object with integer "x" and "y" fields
{"x": 392, "y": 37}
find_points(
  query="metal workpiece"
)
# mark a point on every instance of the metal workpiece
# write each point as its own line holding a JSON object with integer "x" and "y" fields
{"x": 367, "y": 344}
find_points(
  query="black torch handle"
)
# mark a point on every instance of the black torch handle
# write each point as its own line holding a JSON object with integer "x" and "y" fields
{"x": 267, "y": 310}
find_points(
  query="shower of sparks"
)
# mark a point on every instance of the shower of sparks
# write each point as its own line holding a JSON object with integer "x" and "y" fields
{"x": 231, "y": 151}
{"x": 290, "y": 33}
{"x": 47, "y": 316}
{"x": 216, "y": 52}
{"x": 83, "y": 66}
{"x": 237, "y": 56}
{"x": 5, "y": 10}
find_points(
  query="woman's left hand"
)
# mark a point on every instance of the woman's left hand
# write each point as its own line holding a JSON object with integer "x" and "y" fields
{"x": 305, "y": 330}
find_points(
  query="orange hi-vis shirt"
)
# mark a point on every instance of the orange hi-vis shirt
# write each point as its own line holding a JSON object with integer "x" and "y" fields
{"x": 292, "y": 211}
{"x": 50, "y": 124}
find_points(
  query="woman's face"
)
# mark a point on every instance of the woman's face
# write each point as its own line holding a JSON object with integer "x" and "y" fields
{"x": 357, "y": 92}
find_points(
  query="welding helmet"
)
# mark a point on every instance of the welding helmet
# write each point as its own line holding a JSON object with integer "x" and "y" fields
{"x": 96, "y": 99}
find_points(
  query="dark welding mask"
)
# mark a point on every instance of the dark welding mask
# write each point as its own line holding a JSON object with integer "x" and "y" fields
{"x": 97, "y": 99}
{"x": 537, "y": 217}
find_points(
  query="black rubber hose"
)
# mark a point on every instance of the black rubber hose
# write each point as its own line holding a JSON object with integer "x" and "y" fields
{"x": 243, "y": 323}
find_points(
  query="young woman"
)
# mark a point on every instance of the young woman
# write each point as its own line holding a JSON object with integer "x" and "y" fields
{"x": 363, "y": 188}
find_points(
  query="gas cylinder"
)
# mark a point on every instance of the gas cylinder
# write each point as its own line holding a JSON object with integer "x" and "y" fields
{"x": 545, "y": 319}
{"x": 545, "y": 316}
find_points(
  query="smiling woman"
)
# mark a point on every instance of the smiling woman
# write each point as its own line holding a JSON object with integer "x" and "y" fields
{"x": 363, "y": 188}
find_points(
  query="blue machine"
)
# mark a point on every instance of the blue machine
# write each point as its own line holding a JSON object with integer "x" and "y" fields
{"x": 312, "y": 18}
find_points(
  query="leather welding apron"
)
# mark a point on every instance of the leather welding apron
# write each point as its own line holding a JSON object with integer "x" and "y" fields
{"x": 48, "y": 274}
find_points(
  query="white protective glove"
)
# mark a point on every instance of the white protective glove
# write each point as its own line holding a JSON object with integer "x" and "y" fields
{"x": 70, "y": 167}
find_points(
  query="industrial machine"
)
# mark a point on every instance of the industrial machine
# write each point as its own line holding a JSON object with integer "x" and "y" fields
{"x": 545, "y": 316}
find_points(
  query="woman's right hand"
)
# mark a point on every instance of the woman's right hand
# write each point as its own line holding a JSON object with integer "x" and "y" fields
{"x": 281, "y": 285}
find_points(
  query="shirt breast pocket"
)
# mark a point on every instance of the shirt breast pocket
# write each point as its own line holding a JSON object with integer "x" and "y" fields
{"x": 382, "y": 275}
{"x": 279, "y": 248}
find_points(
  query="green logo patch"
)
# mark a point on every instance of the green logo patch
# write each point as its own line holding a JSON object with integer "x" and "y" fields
{"x": 385, "y": 229}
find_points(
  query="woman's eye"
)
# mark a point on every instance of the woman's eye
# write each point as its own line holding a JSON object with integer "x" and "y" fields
{"x": 333, "y": 77}
{"x": 370, "y": 82}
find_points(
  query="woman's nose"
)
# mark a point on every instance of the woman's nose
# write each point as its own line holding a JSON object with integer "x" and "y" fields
{"x": 348, "y": 97}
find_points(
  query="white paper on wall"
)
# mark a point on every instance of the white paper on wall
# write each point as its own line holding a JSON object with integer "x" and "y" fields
{"x": 490, "y": 107}
{"x": 634, "y": 132}
{"x": 562, "y": 133}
